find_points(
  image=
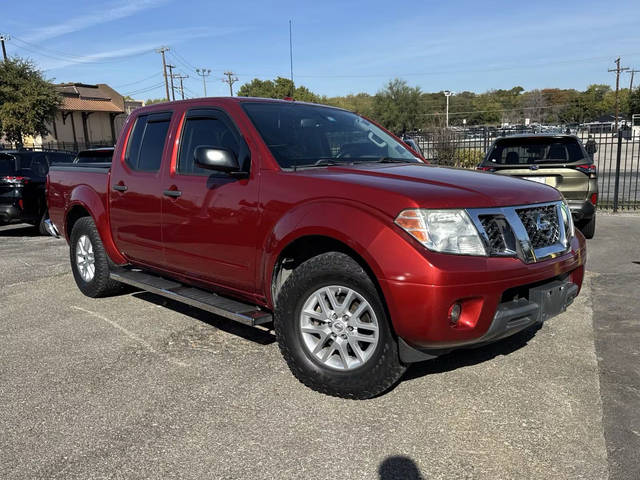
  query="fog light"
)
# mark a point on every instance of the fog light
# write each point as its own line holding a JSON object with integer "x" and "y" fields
{"x": 454, "y": 313}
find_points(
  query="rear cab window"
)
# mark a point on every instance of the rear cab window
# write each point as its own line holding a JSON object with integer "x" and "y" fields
{"x": 531, "y": 151}
{"x": 146, "y": 142}
{"x": 94, "y": 156}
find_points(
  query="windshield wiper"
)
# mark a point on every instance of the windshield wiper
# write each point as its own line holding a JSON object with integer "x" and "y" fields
{"x": 389, "y": 160}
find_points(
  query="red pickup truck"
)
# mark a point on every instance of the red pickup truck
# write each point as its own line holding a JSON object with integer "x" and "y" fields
{"x": 318, "y": 220}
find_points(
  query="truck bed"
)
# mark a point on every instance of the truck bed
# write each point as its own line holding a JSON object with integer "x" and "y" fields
{"x": 65, "y": 182}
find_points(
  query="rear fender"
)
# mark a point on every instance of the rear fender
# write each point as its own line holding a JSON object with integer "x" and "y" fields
{"x": 88, "y": 199}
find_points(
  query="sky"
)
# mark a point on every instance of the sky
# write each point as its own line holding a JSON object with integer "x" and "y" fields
{"x": 339, "y": 47}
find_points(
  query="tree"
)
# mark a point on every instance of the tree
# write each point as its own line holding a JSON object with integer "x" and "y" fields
{"x": 398, "y": 106}
{"x": 361, "y": 103}
{"x": 279, "y": 88}
{"x": 151, "y": 101}
{"x": 28, "y": 102}
{"x": 634, "y": 102}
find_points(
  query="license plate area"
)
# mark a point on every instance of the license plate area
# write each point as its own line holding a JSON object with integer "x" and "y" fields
{"x": 553, "y": 298}
{"x": 536, "y": 179}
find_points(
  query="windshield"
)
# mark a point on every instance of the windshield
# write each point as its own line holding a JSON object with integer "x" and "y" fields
{"x": 529, "y": 151}
{"x": 309, "y": 135}
{"x": 7, "y": 165}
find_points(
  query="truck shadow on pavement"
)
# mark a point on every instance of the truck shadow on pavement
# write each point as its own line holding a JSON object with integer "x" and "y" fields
{"x": 472, "y": 356}
{"x": 20, "y": 231}
{"x": 254, "y": 334}
{"x": 265, "y": 336}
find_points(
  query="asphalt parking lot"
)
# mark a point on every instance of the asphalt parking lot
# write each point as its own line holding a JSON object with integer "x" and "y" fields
{"x": 135, "y": 386}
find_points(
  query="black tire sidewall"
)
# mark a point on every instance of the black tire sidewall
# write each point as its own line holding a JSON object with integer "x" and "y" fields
{"x": 360, "y": 382}
{"x": 98, "y": 284}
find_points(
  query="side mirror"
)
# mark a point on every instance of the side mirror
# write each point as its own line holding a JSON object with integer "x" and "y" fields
{"x": 219, "y": 159}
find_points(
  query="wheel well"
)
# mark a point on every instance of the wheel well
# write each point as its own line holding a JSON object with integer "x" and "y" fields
{"x": 304, "y": 248}
{"x": 75, "y": 214}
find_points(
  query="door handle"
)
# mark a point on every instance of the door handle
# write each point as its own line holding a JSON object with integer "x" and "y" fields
{"x": 172, "y": 193}
{"x": 120, "y": 188}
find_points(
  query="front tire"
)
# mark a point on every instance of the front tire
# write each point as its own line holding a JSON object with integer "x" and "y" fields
{"x": 333, "y": 330}
{"x": 89, "y": 261}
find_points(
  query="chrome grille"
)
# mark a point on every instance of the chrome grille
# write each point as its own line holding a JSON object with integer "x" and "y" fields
{"x": 494, "y": 228}
{"x": 530, "y": 232}
{"x": 541, "y": 224}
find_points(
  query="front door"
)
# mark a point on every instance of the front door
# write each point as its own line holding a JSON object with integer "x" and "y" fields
{"x": 135, "y": 191}
{"x": 210, "y": 219}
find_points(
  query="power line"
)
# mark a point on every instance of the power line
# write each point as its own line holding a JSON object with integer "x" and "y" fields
{"x": 618, "y": 70}
{"x": 230, "y": 80}
{"x": 137, "y": 81}
{"x": 182, "y": 60}
{"x": 204, "y": 72}
{"x": 143, "y": 90}
{"x": 65, "y": 57}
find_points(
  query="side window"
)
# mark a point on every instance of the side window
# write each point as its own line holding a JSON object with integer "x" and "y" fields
{"x": 200, "y": 131}
{"x": 146, "y": 142}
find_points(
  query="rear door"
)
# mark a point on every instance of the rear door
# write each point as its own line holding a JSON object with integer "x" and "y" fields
{"x": 548, "y": 160}
{"x": 210, "y": 218}
{"x": 135, "y": 193}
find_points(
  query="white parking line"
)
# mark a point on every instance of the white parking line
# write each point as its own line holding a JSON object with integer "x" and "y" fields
{"x": 131, "y": 335}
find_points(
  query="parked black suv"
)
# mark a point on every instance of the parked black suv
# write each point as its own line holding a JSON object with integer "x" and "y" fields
{"x": 23, "y": 175}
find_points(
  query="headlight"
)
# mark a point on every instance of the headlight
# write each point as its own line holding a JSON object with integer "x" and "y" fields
{"x": 567, "y": 218}
{"x": 447, "y": 231}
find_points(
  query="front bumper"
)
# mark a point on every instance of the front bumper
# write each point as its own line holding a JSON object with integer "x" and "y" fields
{"x": 419, "y": 298}
{"x": 543, "y": 302}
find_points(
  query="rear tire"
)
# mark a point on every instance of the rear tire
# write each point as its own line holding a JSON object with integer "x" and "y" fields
{"x": 354, "y": 356}
{"x": 588, "y": 229}
{"x": 89, "y": 261}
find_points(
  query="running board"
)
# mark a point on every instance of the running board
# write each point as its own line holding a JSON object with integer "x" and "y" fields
{"x": 225, "y": 307}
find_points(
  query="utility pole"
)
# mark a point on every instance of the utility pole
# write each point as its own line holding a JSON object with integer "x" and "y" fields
{"x": 204, "y": 72}
{"x": 631, "y": 81}
{"x": 181, "y": 77}
{"x": 161, "y": 51}
{"x": 230, "y": 80}
{"x": 618, "y": 70}
{"x": 293, "y": 88}
{"x": 4, "y": 38}
{"x": 173, "y": 93}
{"x": 448, "y": 93}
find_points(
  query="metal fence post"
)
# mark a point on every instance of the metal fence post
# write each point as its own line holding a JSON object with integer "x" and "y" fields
{"x": 617, "y": 182}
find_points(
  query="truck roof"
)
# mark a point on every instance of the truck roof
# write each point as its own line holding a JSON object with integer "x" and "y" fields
{"x": 229, "y": 100}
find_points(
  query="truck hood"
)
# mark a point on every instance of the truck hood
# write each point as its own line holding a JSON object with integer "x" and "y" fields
{"x": 435, "y": 187}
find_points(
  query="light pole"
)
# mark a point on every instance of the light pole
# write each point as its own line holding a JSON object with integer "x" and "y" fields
{"x": 204, "y": 72}
{"x": 448, "y": 93}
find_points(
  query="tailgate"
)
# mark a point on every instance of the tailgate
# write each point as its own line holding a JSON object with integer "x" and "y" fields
{"x": 573, "y": 183}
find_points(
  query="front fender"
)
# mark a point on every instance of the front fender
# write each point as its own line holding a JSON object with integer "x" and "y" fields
{"x": 87, "y": 198}
{"x": 367, "y": 231}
